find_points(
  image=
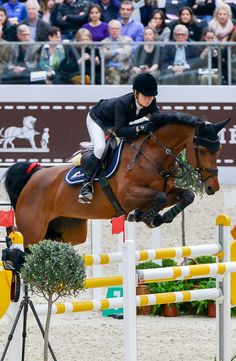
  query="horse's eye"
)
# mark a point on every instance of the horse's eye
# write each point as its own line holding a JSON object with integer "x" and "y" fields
{"x": 202, "y": 150}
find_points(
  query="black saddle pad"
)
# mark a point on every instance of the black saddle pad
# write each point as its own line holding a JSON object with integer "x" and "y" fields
{"x": 76, "y": 174}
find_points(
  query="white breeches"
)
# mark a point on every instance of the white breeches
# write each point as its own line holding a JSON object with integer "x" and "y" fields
{"x": 97, "y": 136}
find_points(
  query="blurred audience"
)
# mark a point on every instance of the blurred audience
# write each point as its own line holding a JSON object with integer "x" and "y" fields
{"x": 157, "y": 21}
{"x": 38, "y": 28}
{"x": 24, "y": 58}
{"x": 209, "y": 56}
{"x": 52, "y": 54}
{"x": 97, "y": 28}
{"x": 116, "y": 55}
{"x": 187, "y": 18}
{"x": 8, "y": 29}
{"x": 222, "y": 23}
{"x": 16, "y": 11}
{"x": 179, "y": 63}
{"x": 146, "y": 57}
{"x": 202, "y": 9}
{"x": 110, "y": 9}
{"x": 130, "y": 27}
{"x": 47, "y": 11}
{"x": 5, "y": 53}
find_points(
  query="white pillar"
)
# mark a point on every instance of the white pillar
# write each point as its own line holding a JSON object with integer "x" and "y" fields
{"x": 129, "y": 294}
{"x": 96, "y": 248}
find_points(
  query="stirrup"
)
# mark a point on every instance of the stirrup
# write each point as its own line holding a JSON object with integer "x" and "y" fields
{"x": 86, "y": 194}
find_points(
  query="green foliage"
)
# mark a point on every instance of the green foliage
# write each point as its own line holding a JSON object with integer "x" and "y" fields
{"x": 188, "y": 178}
{"x": 54, "y": 269}
{"x": 205, "y": 259}
{"x": 169, "y": 262}
{"x": 147, "y": 265}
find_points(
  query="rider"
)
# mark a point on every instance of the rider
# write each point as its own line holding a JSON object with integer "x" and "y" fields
{"x": 117, "y": 114}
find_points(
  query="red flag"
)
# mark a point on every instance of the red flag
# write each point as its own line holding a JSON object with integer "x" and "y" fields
{"x": 118, "y": 224}
{"x": 7, "y": 218}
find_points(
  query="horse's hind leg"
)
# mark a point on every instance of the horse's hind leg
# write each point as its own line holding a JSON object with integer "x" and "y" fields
{"x": 182, "y": 198}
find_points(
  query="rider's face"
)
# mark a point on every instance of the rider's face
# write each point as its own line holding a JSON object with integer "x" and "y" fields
{"x": 144, "y": 100}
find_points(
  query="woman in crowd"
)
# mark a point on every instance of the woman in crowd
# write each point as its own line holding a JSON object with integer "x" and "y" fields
{"x": 146, "y": 57}
{"x": 187, "y": 18}
{"x": 47, "y": 11}
{"x": 222, "y": 23}
{"x": 157, "y": 21}
{"x": 8, "y": 29}
{"x": 208, "y": 35}
{"x": 52, "y": 54}
{"x": 97, "y": 28}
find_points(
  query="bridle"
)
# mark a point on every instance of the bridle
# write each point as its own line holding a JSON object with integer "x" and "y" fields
{"x": 172, "y": 172}
{"x": 196, "y": 141}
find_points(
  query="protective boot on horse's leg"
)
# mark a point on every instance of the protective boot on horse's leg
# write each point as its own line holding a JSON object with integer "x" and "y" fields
{"x": 90, "y": 164}
{"x": 186, "y": 197}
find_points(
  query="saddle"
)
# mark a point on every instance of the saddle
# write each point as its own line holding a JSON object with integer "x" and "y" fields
{"x": 108, "y": 165}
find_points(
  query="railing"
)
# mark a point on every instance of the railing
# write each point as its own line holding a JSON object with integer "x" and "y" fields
{"x": 223, "y": 74}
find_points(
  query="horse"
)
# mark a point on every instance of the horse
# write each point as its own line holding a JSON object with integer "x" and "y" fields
{"x": 26, "y": 132}
{"x": 144, "y": 183}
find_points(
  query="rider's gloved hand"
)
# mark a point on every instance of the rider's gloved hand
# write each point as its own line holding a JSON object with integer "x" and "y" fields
{"x": 145, "y": 128}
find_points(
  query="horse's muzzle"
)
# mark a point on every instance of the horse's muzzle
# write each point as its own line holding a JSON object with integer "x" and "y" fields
{"x": 210, "y": 190}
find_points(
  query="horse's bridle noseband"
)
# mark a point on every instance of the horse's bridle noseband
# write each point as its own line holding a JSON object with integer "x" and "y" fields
{"x": 213, "y": 171}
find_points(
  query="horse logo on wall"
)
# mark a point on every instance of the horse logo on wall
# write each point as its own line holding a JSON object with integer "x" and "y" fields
{"x": 27, "y": 132}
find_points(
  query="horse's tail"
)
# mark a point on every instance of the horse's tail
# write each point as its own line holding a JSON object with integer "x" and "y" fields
{"x": 16, "y": 178}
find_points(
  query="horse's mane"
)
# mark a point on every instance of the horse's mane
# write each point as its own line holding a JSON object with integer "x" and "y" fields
{"x": 162, "y": 118}
{"x": 16, "y": 178}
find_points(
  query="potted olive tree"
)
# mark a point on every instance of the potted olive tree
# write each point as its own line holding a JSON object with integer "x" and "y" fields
{"x": 53, "y": 270}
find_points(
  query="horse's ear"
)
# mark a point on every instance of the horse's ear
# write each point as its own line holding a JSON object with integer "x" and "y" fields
{"x": 221, "y": 125}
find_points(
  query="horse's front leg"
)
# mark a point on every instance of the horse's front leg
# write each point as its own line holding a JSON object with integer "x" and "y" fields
{"x": 159, "y": 201}
{"x": 181, "y": 198}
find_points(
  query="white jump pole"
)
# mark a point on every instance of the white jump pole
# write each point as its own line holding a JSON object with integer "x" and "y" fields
{"x": 129, "y": 294}
{"x": 96, "y": 248}
{"x": 223, "y": 314}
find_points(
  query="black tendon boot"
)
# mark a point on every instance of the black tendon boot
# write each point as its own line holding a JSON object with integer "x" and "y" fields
{"x": 90, "y": 167}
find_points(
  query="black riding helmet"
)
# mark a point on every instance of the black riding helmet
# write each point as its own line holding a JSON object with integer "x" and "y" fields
{"x": 145, "y": 84}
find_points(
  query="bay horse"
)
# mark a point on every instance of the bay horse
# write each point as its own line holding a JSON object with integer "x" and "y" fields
{"x": 144, "y": 183}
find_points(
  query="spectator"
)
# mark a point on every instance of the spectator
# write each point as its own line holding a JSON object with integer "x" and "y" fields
{"x": 203, "y": 9}
{"x": 16, "y": 11}
{"x": 179, "y": 62}
{"x": 222, "y": 23}
{"x": 157, "y": 21}
{"x": 110, "y": 9}
{"x": 146, "y": 57}
{"x": 187, "y": 18}
{"x": 5, "y": 52}
{"x": 52, "y": 54}
{"x": 233, "y": 54}
{"x": 209, "y": 36}
{"x": 84, "y": 36}
{"x": 117, "y": 56}
{"x": 47, "y": 11}
{"x": 69, "y": 16}
{"x": 24, "y": 59}
{"x": 38, "y": 28}
{"x": 143, "y": 9}
{"x": 97, "y": 28}
{"x": 8, "y": 29}
{"x": 132, "y": 28}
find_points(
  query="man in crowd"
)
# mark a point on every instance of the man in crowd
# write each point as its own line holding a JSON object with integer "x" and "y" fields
{"x": 116, "y": 55}
{"x": 130, "y": 27}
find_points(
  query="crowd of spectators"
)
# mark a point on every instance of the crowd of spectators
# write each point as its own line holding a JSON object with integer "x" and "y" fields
{"x": 111, "y": 41}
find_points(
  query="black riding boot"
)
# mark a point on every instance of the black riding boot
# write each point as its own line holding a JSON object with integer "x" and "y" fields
{"x": 86, "y": 192}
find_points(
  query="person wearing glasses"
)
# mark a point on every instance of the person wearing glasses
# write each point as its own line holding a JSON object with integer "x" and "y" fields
{"x": 179, "y": 62}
